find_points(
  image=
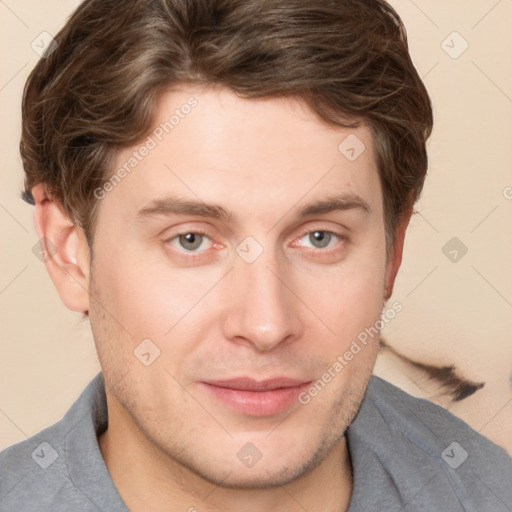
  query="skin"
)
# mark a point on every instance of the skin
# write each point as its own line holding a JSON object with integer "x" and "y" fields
{"x": 213, "y": 315}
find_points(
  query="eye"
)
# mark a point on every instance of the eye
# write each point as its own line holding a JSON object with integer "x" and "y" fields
{"x": 321, "y": 239}
{"x": 190, "y": 241}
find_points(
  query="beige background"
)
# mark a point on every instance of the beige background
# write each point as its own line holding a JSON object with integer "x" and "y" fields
{"x": 454, "y": 312}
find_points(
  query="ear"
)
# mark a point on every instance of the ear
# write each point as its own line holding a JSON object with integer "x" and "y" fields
{"x": 64, "y": 249}
{"x": 395, "y": 257}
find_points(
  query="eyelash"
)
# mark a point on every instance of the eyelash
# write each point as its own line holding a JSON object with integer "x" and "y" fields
{"x": 198, "y": 254}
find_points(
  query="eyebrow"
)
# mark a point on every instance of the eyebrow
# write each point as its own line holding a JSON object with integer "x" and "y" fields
{"x": 178, "y": 206}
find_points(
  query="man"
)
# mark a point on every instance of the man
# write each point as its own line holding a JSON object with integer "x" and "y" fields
{"x": 223, "y": 188}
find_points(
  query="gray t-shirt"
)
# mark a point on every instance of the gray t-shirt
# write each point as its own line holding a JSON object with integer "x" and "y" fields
{"x": 407, "y": 455}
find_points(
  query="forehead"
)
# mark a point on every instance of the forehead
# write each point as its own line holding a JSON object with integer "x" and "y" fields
{"x": 254, "y": 156}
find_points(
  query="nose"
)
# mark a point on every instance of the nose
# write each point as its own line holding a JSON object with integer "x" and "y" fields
{"x": 263, "y": 308}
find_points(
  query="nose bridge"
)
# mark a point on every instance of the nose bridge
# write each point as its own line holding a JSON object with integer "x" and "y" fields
{"x": 262, "y": 309}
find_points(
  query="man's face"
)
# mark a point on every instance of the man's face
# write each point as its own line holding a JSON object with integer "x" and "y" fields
{"x": 264, "y": 293}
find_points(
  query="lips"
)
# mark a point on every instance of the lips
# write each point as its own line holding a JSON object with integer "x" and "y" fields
{"x": 249, "y": 384}
{"x": 256, "y": 398}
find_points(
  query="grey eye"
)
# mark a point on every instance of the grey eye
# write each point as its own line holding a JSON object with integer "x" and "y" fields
{"x": 320, "y": 239}
{"x": 190, "y": 241}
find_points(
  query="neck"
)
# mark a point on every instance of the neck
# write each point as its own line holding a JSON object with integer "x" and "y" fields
{"x": 149, "y": 479}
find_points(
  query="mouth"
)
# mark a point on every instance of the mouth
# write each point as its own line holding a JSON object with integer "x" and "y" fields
{"x": 256, "y": 398}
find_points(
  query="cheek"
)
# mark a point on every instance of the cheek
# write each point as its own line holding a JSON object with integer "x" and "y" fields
{"x": 134, "y": 290}
{"x": 153, "y": 299}
{"x": 347, "y": 297}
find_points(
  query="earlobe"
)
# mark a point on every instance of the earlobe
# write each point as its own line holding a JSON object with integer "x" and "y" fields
{"x": 64, "y": 248}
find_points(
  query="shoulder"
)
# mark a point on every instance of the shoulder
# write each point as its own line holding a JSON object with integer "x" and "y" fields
{"x": 422, "y": 419}
{"x": 426, "y": 454}
{"x": 34, "y": 471}
{"x": 37, "y": 474}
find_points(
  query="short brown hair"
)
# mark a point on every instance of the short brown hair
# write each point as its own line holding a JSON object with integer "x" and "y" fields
{"x": 97, "y": 91}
